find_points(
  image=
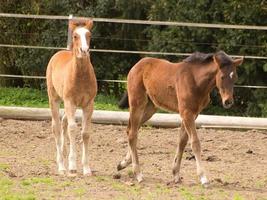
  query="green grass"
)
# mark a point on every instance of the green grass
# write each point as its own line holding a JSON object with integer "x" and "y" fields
{"x": 186, "y": 194}
{"x": 23, "y": 97}
{"x": 238, "y": 197}
{"x": 80, "y": 192}
{"x": 103, "y": 102}
{"x": 6, "y": 192}
{"x": 4, "y": 166}
{"x": 29, "y": 97}
{"x": 37, "y": 180}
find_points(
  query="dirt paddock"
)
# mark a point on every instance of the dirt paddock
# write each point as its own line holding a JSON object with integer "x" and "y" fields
{"x": 235, "y": 160}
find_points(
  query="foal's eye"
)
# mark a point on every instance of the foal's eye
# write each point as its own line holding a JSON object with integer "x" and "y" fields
{"x": 222, "y": 77}
{"x": 75, "y": 37}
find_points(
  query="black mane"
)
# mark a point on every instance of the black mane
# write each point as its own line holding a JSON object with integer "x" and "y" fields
{"x": 202, "y": 58}
{"x": 199, "y": 57}
{"x": 224, "y": 59}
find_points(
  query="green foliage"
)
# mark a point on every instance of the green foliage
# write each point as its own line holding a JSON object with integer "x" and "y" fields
{"x": 249, "y": 102}
{"x": 103, "y": 102}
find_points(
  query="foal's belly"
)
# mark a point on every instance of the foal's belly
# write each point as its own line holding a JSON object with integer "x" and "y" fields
{"x": 163, "y": 95}
{"x": 165, "y": 101}
{"x": 160, "y": 82}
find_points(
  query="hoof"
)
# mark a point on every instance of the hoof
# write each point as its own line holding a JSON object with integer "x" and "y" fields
{"x": 177, "y": 180}
{"x": 140, "y": 178}
{"x": 129, "y": 183}
{"x": 87, "y": 172}
{"x": 61, "y": 172}
{"x": 116, "y": 176}
{"x": 174, "y": 181}
{"x": 204, "y": 181}
{"x": 72, "y": 173}
{"x": 120, "y": 167}
{"x": 206, "y": 185}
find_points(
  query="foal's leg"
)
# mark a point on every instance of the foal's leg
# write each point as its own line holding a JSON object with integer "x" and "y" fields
{"x": 87, "y": 114}
{"x": 148, "y": 113}
{"x": 189, "y": 123}
{"x": 72, "y": 129}
{"x": 128, "y": 158}
{"x": 54, "y": 105}
{"x": 135, "y": 121}
{"x": 64, "y": 126}
{"x": 183, "y": 138}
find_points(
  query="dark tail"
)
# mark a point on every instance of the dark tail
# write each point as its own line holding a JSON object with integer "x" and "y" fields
{"x": 123, "y": 103}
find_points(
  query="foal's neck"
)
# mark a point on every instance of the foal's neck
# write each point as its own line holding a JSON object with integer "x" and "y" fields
{"x": 81, "y": 65}
{"x": 207, "y": 77}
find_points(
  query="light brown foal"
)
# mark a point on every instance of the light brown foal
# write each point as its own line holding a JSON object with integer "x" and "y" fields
{"x": 178, "y": 87}
{"x": 71, "y": 78}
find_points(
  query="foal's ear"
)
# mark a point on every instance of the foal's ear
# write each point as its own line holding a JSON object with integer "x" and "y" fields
{"x": 216, "y": 61}
{"x": 72, "y": 25}
{"x": 238, "y": 61}
{"x": 89, "y": 24}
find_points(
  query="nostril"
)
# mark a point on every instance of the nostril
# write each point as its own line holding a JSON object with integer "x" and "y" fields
{"x": 228, "y": 102}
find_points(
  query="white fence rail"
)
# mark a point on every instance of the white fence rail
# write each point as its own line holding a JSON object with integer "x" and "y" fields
{"x": 158, "y": 120}
{"x": 142, "y": 22}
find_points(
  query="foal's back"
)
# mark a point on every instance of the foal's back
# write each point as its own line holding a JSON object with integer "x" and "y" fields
{"x": 157, "y": 78}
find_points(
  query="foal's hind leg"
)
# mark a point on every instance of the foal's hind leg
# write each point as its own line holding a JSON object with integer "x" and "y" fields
{"x": 148, "y": 113}
{"x": 183, "y": 138}
{"x": 127, "y": 159}
{"x": 134, "y": 124}
{"x": 137, "y": 117}
{"x": 87, "y": 114}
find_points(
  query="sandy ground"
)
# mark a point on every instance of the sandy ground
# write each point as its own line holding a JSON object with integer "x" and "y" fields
{"x": 235, "y": 160}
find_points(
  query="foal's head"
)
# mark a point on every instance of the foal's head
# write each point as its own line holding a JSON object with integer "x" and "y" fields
{"x": 226, "y": 76}
{"x": 81, "y": 36}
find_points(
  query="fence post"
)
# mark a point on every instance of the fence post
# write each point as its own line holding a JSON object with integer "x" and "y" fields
{"x": 69, "y": 33}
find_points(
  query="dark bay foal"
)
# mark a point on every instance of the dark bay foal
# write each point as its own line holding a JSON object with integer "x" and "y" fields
{"x": 178, "y": 87}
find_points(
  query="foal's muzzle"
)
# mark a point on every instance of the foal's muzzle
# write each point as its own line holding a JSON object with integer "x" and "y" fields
{"x": 84, "y": 51}
{"x": 228, "y": 103}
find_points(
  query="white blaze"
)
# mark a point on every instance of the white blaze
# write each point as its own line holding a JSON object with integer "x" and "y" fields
{"x": 82, "y": 33}
{"x": 231, "y": 75}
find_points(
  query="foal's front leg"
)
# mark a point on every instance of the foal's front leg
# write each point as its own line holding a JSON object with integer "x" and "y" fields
{"x": 86, "y": 125}
{"x": 54, "y": 105}
{"x": 189, "y": 123}
{"x": 64, "y": 128}
{"x": 70, "y": 110}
